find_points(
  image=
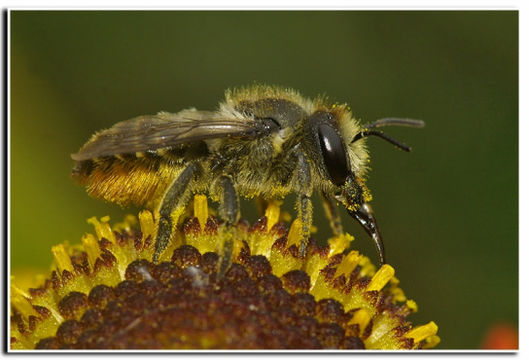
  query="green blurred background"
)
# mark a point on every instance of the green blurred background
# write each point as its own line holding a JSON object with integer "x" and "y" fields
{"x": 448, "y": 210}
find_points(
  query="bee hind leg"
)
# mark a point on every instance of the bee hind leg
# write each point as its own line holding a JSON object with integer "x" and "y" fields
{"x": 172, "y": 199}
{"x": 229, "y": 213}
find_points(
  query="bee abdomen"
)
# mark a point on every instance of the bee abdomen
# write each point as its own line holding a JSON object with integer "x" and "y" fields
{"x": 82, "y": 169}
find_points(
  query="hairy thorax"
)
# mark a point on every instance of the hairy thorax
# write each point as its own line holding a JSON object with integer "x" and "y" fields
{"x": 258, "y": 167}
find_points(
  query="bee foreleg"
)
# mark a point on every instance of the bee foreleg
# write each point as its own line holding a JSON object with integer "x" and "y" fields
{"x": 171, "y": 200}
{"x": 304, "y": 204}
{"x": 229, "y": 213}
{"x": 331, "y": 211}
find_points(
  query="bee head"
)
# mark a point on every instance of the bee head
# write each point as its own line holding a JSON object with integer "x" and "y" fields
{"x": 351, "y": 193}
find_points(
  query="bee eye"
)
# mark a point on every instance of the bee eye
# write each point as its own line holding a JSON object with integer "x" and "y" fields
{"x": 333, "y": 151}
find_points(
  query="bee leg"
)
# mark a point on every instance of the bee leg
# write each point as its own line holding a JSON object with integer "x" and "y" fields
{"x": 229, "y": 205}
{"x": 304, "y": 204}
{"x": 171, "y": 200}
{"x": 329, "y": 205}
{"x": 229, "y": 213}
{"x": 261, "y": 205}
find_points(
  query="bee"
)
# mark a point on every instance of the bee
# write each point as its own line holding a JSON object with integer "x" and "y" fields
{"x": 262, "y": 142}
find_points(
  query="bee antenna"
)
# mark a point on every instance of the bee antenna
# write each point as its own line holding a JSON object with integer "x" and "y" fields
{"x": 363, "y": 134}
{"x": 388, "y": 122}
{"x": 395, "y": 122}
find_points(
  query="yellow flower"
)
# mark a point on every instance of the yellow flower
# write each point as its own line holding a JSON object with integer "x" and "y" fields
{"x": 107, "y": 294}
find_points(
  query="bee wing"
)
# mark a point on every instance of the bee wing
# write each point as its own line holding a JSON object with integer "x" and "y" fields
{"x": 151, "y": 132}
